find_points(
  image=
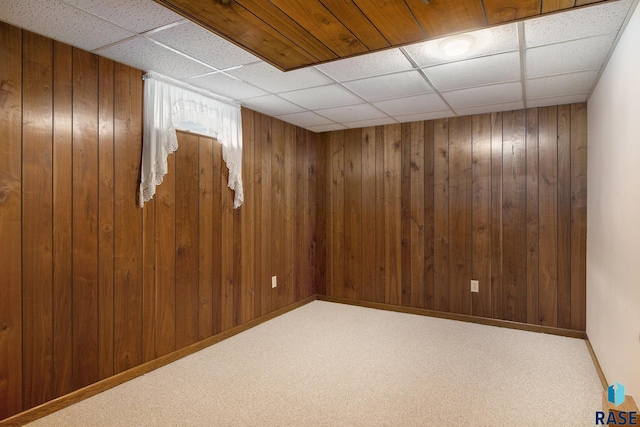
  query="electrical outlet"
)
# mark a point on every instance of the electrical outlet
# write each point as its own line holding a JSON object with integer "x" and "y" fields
{"x": 475, "y": 286}
{"x": 274, "y": 282}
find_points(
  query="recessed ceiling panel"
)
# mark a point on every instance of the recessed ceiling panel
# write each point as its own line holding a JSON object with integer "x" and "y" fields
{"x": 564, "y": 84}
{"x": 323, "y": 97}
{"x": 293, "y": 34}
{"x": 485, "y": 95}
{"x": 270, "y": 78}
{"x": 390, "y": 86}
{"x": 374, "y": 64}
{"x": 412, "y": 105}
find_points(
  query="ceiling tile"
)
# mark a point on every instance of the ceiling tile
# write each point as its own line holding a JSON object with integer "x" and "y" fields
{"x": 227, "y": 86}
{"x": 352, "y": 113}
{"x": 424, "y": 116}
{"x": 390, "y": 86}
{"x": 372, "y": 122}
{"x": 322, "y": 97}
{"x": 489, "y": 41}
{"x": 305, "y": 119}
{"x": 556, "y": 100}
{"x": 494, "y": 108}
{"x": 568, "y": 57}
{"x": 146, "y": 55}
{"x": 485, "y": 95}
{"x": 412, "y": 105}
{"x": 271, "y": 105}
{"x": 475, "y": 72}
{"x": 327, "y": 128}
{"x": 134, "y": 15}
{"x": 373, "y": 64}
{"x": 564, "y": 84}
{"x": 273, "y": 80}
{"x": 591, "y": 21}
{"x": 62, "y": 22}
{"x": 203, "y": 45}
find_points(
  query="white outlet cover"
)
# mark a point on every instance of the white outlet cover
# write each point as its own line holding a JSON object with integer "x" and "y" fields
{"x": 475, "y": 286}
{"x": 274, "y": 282}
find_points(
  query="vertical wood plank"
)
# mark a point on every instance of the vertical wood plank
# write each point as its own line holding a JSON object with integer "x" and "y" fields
{"x": 460, "y": 214}
{"x": 300, "y": 188}
{"x": 227, "y": 255}
{"x": 418, "y": 264}
{"x": 549, "y": 6}
{"x": 368, "y": 158}
{"x": 310, "y": 202}
{"x": 405, "y": 214}
{"x": 277, "y": 213}
{"x": 564, "y": 216}
{"x": 187, "y": 241}
{"x": 514, "y": 217}
{"x": 205, "y": 237}
{"x": 322, "y": 214}
{"x": 429, "y": 216}
{"x": 85, "y": 218}
{"x": 237, "y": 259}
{"x": 248, "y": 218}
{"x": 353, "y": 213}
{"x": 62, "y": 225}
{"x": 496, "y": 216}
{"x": 218, "y": 280}
{"x": 481, "y": 214}
{"x": 392, "y": 213}
{"x": 105, "y": 217}
{"x": 381, "y": 241}
{"x": 166, "y": 260}
{"x": 441, "y": 214}
{"x": 532, "y": 216}
{"x": 265, "y": 244}
{"x": 128, "y": 220}
{"x": 548, "y": 309}
{"x": 149, "y": 281}
{"x": 289, "y": 226}
{"x": 578, "y": 215}
{"x": 11, "y": 220}
{"x": 337, "y": 214}
{"x": 257, "y": 201}
{"x": 37, "y": 217}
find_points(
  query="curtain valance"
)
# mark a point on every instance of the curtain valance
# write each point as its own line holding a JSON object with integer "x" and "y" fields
{"x": 170, "y": 105}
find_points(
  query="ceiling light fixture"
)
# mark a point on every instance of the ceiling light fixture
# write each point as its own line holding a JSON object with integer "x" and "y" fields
{"x": 457, "y": 45}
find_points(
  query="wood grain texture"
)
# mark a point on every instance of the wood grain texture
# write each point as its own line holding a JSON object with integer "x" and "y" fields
{"x": 564, "y": 216}
{"x": 440, "y": 18}
{"x": 417, "y": 292}
{"x": 37, "y": 219}
{"x": 205, "y": 237}
{"x": 337, "y": 214}
{"x": 514, "y": 217}
{"x": 578, "y": 215}
{"x": 353, "y": 214}
{"x": 127, "y": 220}
{"x": 481, "y": 193}
{"x": 392, "y": 214}
{"x": 247, "y": 301}
{"x": 556, "y": 5}
{"x": 85, "y": 218}
{"x": 351, "y": 16}
{"x": 105, "y": 217}
{"x": 11, "y": 401}
{"x": 533, "y": 211}
{"x": 481, "y": 214}
{"x": 62, "y": 224}
{"x": 319, "y": 21}
{"x": 499, "y": 11}
{"x": 441, "y": 214}
{"x": 187, "y": 241}
{"x": 393, "y": 19}
{"x": 460, "y": 214}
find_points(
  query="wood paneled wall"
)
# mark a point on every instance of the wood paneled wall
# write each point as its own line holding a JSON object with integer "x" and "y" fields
{"x": 412, "y": 212}
{"x": 90, "y": 284}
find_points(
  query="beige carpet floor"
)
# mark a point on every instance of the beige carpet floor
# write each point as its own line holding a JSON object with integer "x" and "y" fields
{"x": 328, "y": 364}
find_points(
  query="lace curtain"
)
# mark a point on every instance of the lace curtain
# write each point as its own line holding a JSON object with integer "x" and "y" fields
{"x": 170, "y": 105}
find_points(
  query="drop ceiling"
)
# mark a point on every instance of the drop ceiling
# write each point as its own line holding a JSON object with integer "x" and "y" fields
{"x": 549, "y": 60}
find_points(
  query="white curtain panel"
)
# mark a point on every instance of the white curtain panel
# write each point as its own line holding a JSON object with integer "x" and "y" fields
{"x": 170, "y": 105}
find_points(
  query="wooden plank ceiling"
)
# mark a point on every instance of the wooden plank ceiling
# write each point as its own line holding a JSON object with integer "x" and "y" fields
{"x": 291, "y": 34}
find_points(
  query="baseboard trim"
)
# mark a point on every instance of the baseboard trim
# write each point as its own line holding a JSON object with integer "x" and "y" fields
{"x": 91, "y": 390}
{"x": 571, "y": 333}
{"x": 596, "y": 363}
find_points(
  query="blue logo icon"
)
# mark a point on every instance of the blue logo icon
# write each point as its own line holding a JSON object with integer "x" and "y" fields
{"x": 615, "y": 394}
